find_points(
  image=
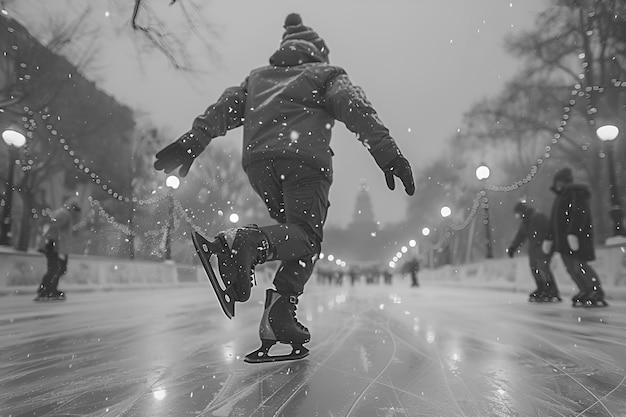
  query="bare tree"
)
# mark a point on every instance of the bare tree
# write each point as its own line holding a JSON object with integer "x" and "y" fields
{"x": 567, "y": 87}
{"x": 62, "y": 113}
{"x": 161, "y": 36}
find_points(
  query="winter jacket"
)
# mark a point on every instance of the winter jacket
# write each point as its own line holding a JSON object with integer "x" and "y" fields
{"x": 571, "y": 215}
{"x": 288, "y": 108}
{"x": 534, "y": 228}
{"x": 59, "y": 228}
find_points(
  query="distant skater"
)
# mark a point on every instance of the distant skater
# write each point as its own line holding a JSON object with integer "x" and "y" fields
{"x": 413, "y": 267}
{"x": 287, "y": 110}
{"x": 571, "y": 234}
{"x": 55, "y": 246}
{"x": 387, "y": 276}
{"x": 533, "y": 229}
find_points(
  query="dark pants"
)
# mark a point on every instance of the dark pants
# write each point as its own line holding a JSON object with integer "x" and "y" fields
{"x": 296, "y": 196}
{"x": 540, "y": 267}
{"x": 55, "y": 268}
{"x": 584, "y": 276}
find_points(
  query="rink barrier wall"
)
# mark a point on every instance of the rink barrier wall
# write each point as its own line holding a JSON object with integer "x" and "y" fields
{"x": 515, "y": 275}
{"x": 21, "y": 272}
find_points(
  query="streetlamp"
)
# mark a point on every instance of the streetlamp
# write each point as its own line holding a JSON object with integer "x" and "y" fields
{"x": 234, "y": 218}
{"x": 172, "y": 182}
{"x": 14, "y": 141}
{"x": 482, "y": 173}
{"x": 608, "y": 133}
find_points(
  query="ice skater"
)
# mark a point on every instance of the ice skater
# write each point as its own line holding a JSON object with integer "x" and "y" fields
{"x": 533, "y": 229}
{"x": 571, "y": 234}
{"x": 55, "y": 245}
{"x": 287, "y": 110}
{"x": 413, "y": 267}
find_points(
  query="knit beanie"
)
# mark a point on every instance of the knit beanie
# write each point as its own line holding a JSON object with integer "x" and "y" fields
{"x": 564, "y": 175}
{"x": 295, "y": 30}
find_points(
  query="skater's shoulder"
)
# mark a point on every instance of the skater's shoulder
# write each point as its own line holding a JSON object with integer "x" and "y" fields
{"x": 578, "y": 189}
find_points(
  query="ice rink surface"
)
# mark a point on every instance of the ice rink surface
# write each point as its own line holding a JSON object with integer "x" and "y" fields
{"x": 375, "y": 351}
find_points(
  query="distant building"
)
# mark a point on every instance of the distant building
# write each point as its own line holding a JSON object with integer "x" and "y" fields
{"x": 362, "y": 240}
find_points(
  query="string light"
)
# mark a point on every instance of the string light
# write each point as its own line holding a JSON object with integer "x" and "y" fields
{"x": 31, "y": 125}
{"x": 591, "y": 110}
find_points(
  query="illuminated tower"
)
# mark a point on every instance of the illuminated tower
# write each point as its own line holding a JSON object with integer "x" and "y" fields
{"x": 363, "y": 217}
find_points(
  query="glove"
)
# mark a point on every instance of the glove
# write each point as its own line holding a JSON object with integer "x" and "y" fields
{"x": 400, "y": 168}
{"x": 510, "y": 251}
{"x": 546, "y": 246}
{"x": 180, "y": 153}
{"x": 572, "y": 241}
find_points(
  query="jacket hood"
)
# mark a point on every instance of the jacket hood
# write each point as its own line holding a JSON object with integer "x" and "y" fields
{"x": 297, "y": 52}
{"x": 563, "y": 175}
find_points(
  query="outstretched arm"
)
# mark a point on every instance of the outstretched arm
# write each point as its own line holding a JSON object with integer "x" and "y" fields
{"x": 519, "y": 239}
{"x": 348, "y": 104}
{"x": 227, "y": 113}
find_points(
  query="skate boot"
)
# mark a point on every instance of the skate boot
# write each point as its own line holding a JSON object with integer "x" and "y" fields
{"x": 56, "y": 295}
{"x": 595, "y": 298}
{"x": 279, "y": 324}
{"x": 578, "y": 299}
{"x": 534, "y": 297}
{"x": 238, "y": 251}
{"x": 42, "y": 293}
{"x": 550, "y": 296}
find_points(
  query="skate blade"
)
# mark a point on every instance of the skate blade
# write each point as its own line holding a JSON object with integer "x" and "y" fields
{"x": 545, "y": 300}
{"x": 223, "y": 291}
{"x": 48, "y": 299}
{"x": 599, "y": 304}
{"x": 262, "y": 355}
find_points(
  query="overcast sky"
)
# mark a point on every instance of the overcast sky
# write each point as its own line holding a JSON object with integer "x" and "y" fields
{"x": 422, "y": 63}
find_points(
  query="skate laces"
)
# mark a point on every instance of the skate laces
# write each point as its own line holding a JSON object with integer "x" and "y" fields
{"x": 263, "y": 250}
{"x": 293, "y": 300}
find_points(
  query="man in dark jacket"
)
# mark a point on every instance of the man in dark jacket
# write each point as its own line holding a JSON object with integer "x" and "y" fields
{"x": 56, "y": 245}
{"x": 571, "y": 234}
{"x": 412, "y": 266}
{"x": 534, "y": 229}
{"x": 287, "y": 110}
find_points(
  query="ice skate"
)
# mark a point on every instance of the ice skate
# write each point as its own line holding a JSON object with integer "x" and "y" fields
{"x": 56, "y": 295}
{"x": 49, "y": 295}
{"x": 238, "y": 251}
{"x": 42, "y": 294}
{"x": 577, "y": 300}
{"x": 595, "y": 299}
{"x": 550, "y": 297}
{"x": 534, "y": 297}
{"x": 279, "y": 324}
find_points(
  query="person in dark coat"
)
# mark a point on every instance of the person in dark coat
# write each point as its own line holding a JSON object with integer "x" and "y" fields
{"x": 287, "y": 110}
{"x": 56, "y": 245}
{"x": 412, "y": 267}
{"x": 533, "y": 229}
{"x": 571, "y": 234}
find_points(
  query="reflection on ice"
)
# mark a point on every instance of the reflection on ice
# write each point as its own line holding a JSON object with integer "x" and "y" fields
{"x": 430, "y": 335}
{"x": 159, "y": 394}
{"x": 163, "y": 354}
